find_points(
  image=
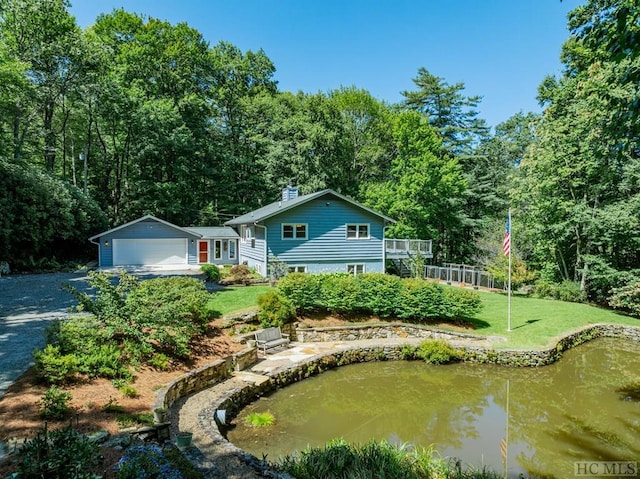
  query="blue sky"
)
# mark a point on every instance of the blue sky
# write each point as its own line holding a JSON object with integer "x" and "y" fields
{"x": 500, "y": 49}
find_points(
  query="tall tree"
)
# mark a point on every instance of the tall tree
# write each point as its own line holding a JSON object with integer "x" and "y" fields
{"x": 452, "y": 113}
{"x": 425, "y": 188}
{"x": 579, "y": 181}
{"x": 45, "y": 38}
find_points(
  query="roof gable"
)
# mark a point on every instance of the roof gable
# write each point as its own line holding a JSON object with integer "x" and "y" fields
{"x": 279, "y": 207}
{"x": 145, "y": 218}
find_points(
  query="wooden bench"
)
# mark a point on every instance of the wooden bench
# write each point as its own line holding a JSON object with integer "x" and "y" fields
{"x": 270, "y": 338}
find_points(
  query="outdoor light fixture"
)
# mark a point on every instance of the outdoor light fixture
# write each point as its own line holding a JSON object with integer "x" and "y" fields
{"x": 106, "y": 244}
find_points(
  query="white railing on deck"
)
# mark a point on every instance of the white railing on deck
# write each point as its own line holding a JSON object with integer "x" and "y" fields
{"x": 406, "y": 247}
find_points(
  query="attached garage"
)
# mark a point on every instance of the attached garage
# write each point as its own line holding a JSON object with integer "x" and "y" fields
{"x": 150, "y": 251}
{"x": 151, "y": 241}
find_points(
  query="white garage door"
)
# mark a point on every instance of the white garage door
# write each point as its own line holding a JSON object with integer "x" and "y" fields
{"x": 149, "y": 251}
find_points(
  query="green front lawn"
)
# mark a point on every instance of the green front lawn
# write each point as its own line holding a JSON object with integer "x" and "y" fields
{"x": 236, "y": 298}
{"x": 535, "y": 323}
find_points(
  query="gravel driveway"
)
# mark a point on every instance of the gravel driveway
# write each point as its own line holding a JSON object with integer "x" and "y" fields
{"x": 27, "y": 304}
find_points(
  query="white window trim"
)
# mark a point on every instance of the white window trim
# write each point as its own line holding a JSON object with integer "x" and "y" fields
{"x": 246, "y": 235}
{"x": 295, "y": 268}
{"x": 355, "y": 268}
{"x": 306, "y": 231}
{"x": 217, "y": 249}
{"x": 232, "y": 249}
{"x": 358, "y": 225}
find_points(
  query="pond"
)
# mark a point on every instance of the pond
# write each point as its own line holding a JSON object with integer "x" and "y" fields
{"x": 586, "y": 407}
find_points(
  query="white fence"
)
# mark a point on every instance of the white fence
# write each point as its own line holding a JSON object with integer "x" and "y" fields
{"x": 462, "y": 274}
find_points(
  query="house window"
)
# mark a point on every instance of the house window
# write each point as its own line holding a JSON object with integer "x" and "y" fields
{"x": 232, "y": 249}
{"x": 297, "y": 269}
{"x": 246, "y": 235}
{"x": 217, "y": 249}
{"x": 294, "y": 231}
{"x": 355, "y": 269}
{"x": 357, "y": 231}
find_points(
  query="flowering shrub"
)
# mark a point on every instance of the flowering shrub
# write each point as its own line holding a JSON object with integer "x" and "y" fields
{"x": 145, "y": 462}
{"x": 150, "y": 461}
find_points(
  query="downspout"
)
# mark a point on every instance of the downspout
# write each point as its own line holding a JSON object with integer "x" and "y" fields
{"x": 384, "y": 249}
{"x": 99, "y": 252}
{"x": 266, "y": 259}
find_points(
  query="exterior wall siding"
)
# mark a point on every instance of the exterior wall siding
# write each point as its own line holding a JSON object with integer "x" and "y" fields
{"x": 252, "y": 252}
{"x": 327, "y": 247}
{"x": 153, "y": 229}
{"x": 226, "y": 250}
{"x": 142, "y": 230}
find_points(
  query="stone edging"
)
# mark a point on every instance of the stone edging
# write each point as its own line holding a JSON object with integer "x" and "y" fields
{"x": 233, "y": 399}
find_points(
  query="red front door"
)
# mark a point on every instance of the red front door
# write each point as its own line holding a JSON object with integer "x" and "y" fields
{"x": 203, "y": 251}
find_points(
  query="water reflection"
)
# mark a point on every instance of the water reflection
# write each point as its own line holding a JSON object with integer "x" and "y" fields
{"x": 570, "y": 411}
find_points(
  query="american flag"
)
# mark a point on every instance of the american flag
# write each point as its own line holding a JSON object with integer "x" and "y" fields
{"x": 506, "y": 244}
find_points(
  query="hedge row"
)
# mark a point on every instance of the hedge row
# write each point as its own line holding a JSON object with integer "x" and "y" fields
{"x": 378, "y": 294}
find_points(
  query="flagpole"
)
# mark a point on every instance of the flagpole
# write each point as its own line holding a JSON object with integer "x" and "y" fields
{"x": 509, "y": 283}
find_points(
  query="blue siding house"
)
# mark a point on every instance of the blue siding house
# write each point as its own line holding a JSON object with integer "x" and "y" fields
{"x": 154, "y": 242}
{"x": 316, "y": 233}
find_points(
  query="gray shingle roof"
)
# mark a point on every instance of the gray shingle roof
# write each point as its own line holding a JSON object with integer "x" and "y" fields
{"x": 278, "y": 207}
{"x": 213, "y": 231}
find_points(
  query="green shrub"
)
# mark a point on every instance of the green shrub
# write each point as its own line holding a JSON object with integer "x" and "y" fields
{"x": 565, "y": 291}
{"x": 626, "y": 298}
{"x": 54, "y": 404}
{"x": 62, "y": 453}
{"x": 55, "y": 367}
{"x": 135, "y": 419}
{"x": 420, "y": 300}
{"x": 260, "y": 419}
{"x": 458, "y": 303}
{"x": 275, "y": 309}
{"x": 338, "y": 459}
{"x": 160, "y": 361}
{"x": 128, "y": 391}
{"x": 339, "y": 293}
{"x": 211, "y": 272}
{"x": 104, "y": 360}
{"x": 437, "y": 352}
{"x": 602, "y": 279}
{"x": 303, "y": 290}
{"x": 157, "y": 315}
{"x": 112, "y": 406}
{"x": 379, "y": 293}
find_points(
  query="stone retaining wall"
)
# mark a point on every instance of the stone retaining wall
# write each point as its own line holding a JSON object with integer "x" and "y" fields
{"x": 377, "y": 331}
{"x": 204, "y": 377}
{"x": 234, "y": 395}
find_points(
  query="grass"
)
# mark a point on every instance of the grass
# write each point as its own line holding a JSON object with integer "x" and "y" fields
{"x": 339, "y": 459}
{"x": 536, "y": 323}
{"x": 236, "y": 298}
{"x": 260, "y": 419}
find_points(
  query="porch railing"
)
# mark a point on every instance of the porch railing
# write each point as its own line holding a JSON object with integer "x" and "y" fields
{"x": 404, "y": 248}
